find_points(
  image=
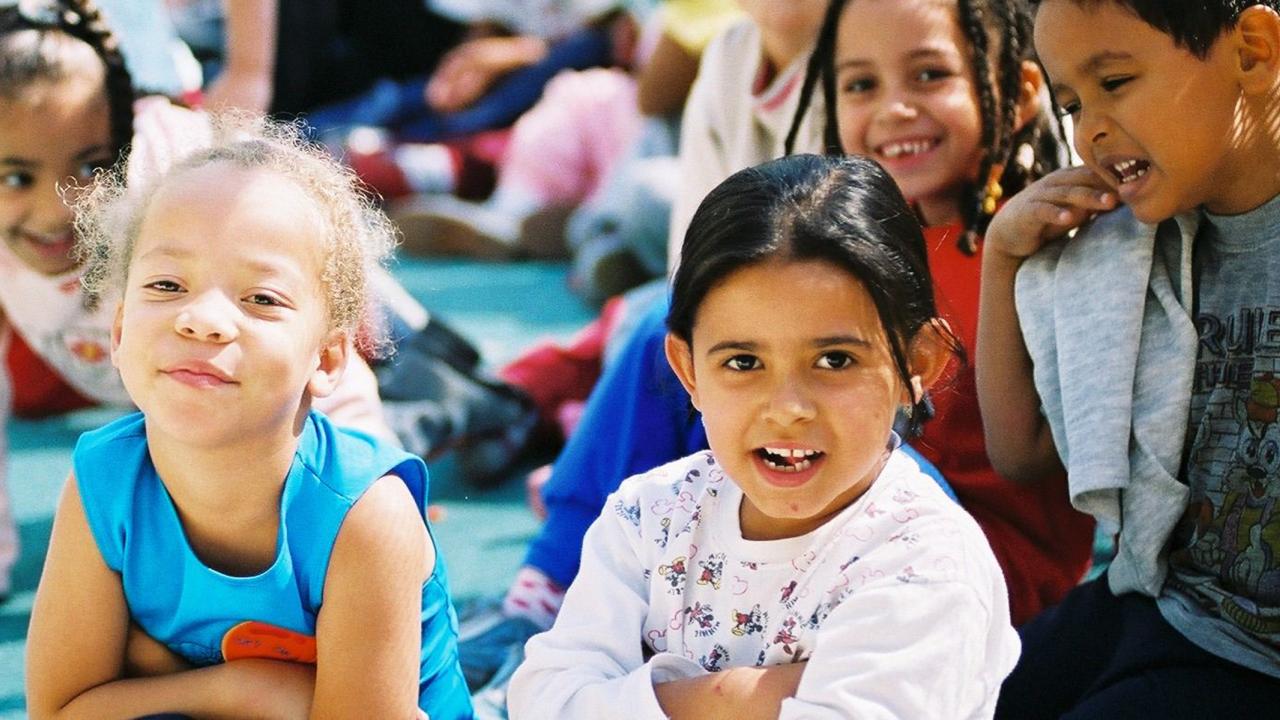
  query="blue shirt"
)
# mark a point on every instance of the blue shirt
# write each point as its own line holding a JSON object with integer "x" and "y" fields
{"x": 190, "y": 607}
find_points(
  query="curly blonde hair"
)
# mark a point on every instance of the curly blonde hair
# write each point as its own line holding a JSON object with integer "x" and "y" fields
{"x": 358, "y": 236}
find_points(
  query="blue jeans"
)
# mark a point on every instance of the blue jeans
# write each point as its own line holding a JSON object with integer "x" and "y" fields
{"x": 400, "y": 105}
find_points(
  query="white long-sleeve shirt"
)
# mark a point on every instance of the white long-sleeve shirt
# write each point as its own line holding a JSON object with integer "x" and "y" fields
{"x": 897, "y": 604}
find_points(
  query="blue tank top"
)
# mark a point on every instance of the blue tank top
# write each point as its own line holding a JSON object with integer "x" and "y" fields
{"x": 192, "y": 609}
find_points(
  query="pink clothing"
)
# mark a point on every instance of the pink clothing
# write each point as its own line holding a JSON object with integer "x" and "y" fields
{"x": 565, "y": 146}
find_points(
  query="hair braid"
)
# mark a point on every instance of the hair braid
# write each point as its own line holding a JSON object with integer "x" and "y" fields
{"x": 973, "y": 25}
{"x": 84, "y": 21}
{"x": 820, "y": 68}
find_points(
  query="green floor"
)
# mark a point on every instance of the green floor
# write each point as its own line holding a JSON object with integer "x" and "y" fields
{"x": 503, "y": 308}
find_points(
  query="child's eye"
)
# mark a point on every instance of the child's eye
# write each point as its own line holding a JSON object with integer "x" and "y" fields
{"x": 933, "y": 74}
{"x": 1111, "y": 84}
{"x": 742, "y": 363}
{"x": 860, "y": 85}
{"x": 87, "y": 170}
{"x": 17, "y": 180}
{"x": 1071, "y": 108}
{"x": 163, "y": 286}
{"x": 264, "y": 299}
{"x": 835, "y": 361}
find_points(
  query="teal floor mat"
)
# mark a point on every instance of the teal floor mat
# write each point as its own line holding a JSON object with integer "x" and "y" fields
{"x": 502, "y": 308}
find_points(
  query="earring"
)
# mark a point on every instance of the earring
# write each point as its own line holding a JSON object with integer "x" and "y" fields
{"x": 992, "y": 192}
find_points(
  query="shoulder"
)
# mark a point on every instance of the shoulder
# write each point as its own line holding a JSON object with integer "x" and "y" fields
{"x": 1092, "y": 247}
{"x": 918, "y": 534}
{"x": 668, "y": 493}
{"x": 348, "y": 462}
{"x": 107, "y": 472}
{"x": 111, "y": 450}
{"x": 734, "y": 53}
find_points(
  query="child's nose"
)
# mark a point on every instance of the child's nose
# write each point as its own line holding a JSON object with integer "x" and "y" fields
{"x": 791, "y": 402}
{"x": 209, "y": 318}
{"x": 52, "y": 213}
{"x": 899, "y": 106}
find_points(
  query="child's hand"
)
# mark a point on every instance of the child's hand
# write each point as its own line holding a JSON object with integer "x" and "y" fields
{"x": 466, "y": 72}
{"x": 1047, "y": 210}
{"x": 144, "y": 656}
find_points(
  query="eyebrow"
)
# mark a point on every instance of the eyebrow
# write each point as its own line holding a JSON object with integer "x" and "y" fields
{"x": 84, "y": 154}
{"x": 917, "y": 54}
{"x": 264, "y": 268}
{"x": 821, "y": 342}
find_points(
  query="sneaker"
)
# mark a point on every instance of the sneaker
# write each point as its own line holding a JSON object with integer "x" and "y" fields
{"x": 542, "y": 234}
{"x": 435, "y": 341}
{"x": 434, "y": 225}
{"x": 490, "y": 701}
{"x": 485, "y": 642}
{"x": 434, "y": 407}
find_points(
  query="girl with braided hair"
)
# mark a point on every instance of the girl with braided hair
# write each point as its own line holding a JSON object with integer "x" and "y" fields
{"x": 67, "y": 109}
{"x": 948, "y": 101}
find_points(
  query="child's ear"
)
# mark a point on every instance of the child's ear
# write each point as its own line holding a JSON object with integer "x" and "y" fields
{"x": 929, "y": 354}
{"x": 117, "y": 329}
{"x": 680, "y": 356}
{"x": 1029, "y": 87}
{"x": 1256, "y": 49}
{"x": 330, "y": 364}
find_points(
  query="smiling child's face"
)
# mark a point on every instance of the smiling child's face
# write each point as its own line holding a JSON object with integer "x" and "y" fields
{"x": 906, "y": 98}
{"x": 1157, "y": 123}
{"x": 225, "y": 317}
{"x": 52, "y": 134}
{"x": 791, "y": 369}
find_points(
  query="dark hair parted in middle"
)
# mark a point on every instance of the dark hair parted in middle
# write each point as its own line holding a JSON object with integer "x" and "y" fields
{"x": 844, "y": 210}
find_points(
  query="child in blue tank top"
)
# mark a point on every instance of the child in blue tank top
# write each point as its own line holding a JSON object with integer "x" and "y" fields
{"x": 228, "y": 551}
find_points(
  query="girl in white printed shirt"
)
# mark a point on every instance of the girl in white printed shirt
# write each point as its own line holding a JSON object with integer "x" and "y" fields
{"x": 802, "y": 567}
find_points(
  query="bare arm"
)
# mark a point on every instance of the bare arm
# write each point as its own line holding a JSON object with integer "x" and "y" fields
{"x": 368, "y": 633}
{"x": 77, "y": 639}
{"x": 740, "y": 693}
{"x": 467, "y": 72}
{"x": 1019, "y": 441}
{"x": 666, "y": 79}
{"x": 248, "y": 79}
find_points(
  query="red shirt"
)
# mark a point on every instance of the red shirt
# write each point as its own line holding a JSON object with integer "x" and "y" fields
{"x": 1043, "y": 544}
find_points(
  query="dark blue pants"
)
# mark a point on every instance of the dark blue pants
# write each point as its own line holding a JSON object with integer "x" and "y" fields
{"x": 1098, "y": 656}
{"x": 398, "y": 105}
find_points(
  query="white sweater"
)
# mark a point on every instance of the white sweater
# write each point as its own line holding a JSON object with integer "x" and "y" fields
{"x": 730, "y": 123}
{"x": 897, "y": 604}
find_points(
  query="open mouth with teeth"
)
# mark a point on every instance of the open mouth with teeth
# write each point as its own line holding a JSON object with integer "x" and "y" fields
{"x": 788, "y": 460}
{"x": 1126, "y": 171}
{"x": 899, "y": 149}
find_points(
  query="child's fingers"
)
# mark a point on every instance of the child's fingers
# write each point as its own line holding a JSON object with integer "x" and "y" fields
{"x": 1055, "y": 215}
{"x": 1090, "y": 197}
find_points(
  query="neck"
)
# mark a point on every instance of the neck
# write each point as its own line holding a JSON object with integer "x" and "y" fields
{"x": 1249, "y": 174}
{"x": 226, "y": 480}
{"x": 935, "y": 211}
{"x": 778, "y": 53}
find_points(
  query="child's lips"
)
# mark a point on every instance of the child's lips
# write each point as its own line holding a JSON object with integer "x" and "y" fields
{"x": 787, "y": 466}
{"x": 51, "y": 247}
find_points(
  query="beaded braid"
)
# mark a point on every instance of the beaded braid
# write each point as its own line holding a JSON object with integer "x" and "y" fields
{"x": 82, "y": 20}
{"x": 980, "y": 21}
